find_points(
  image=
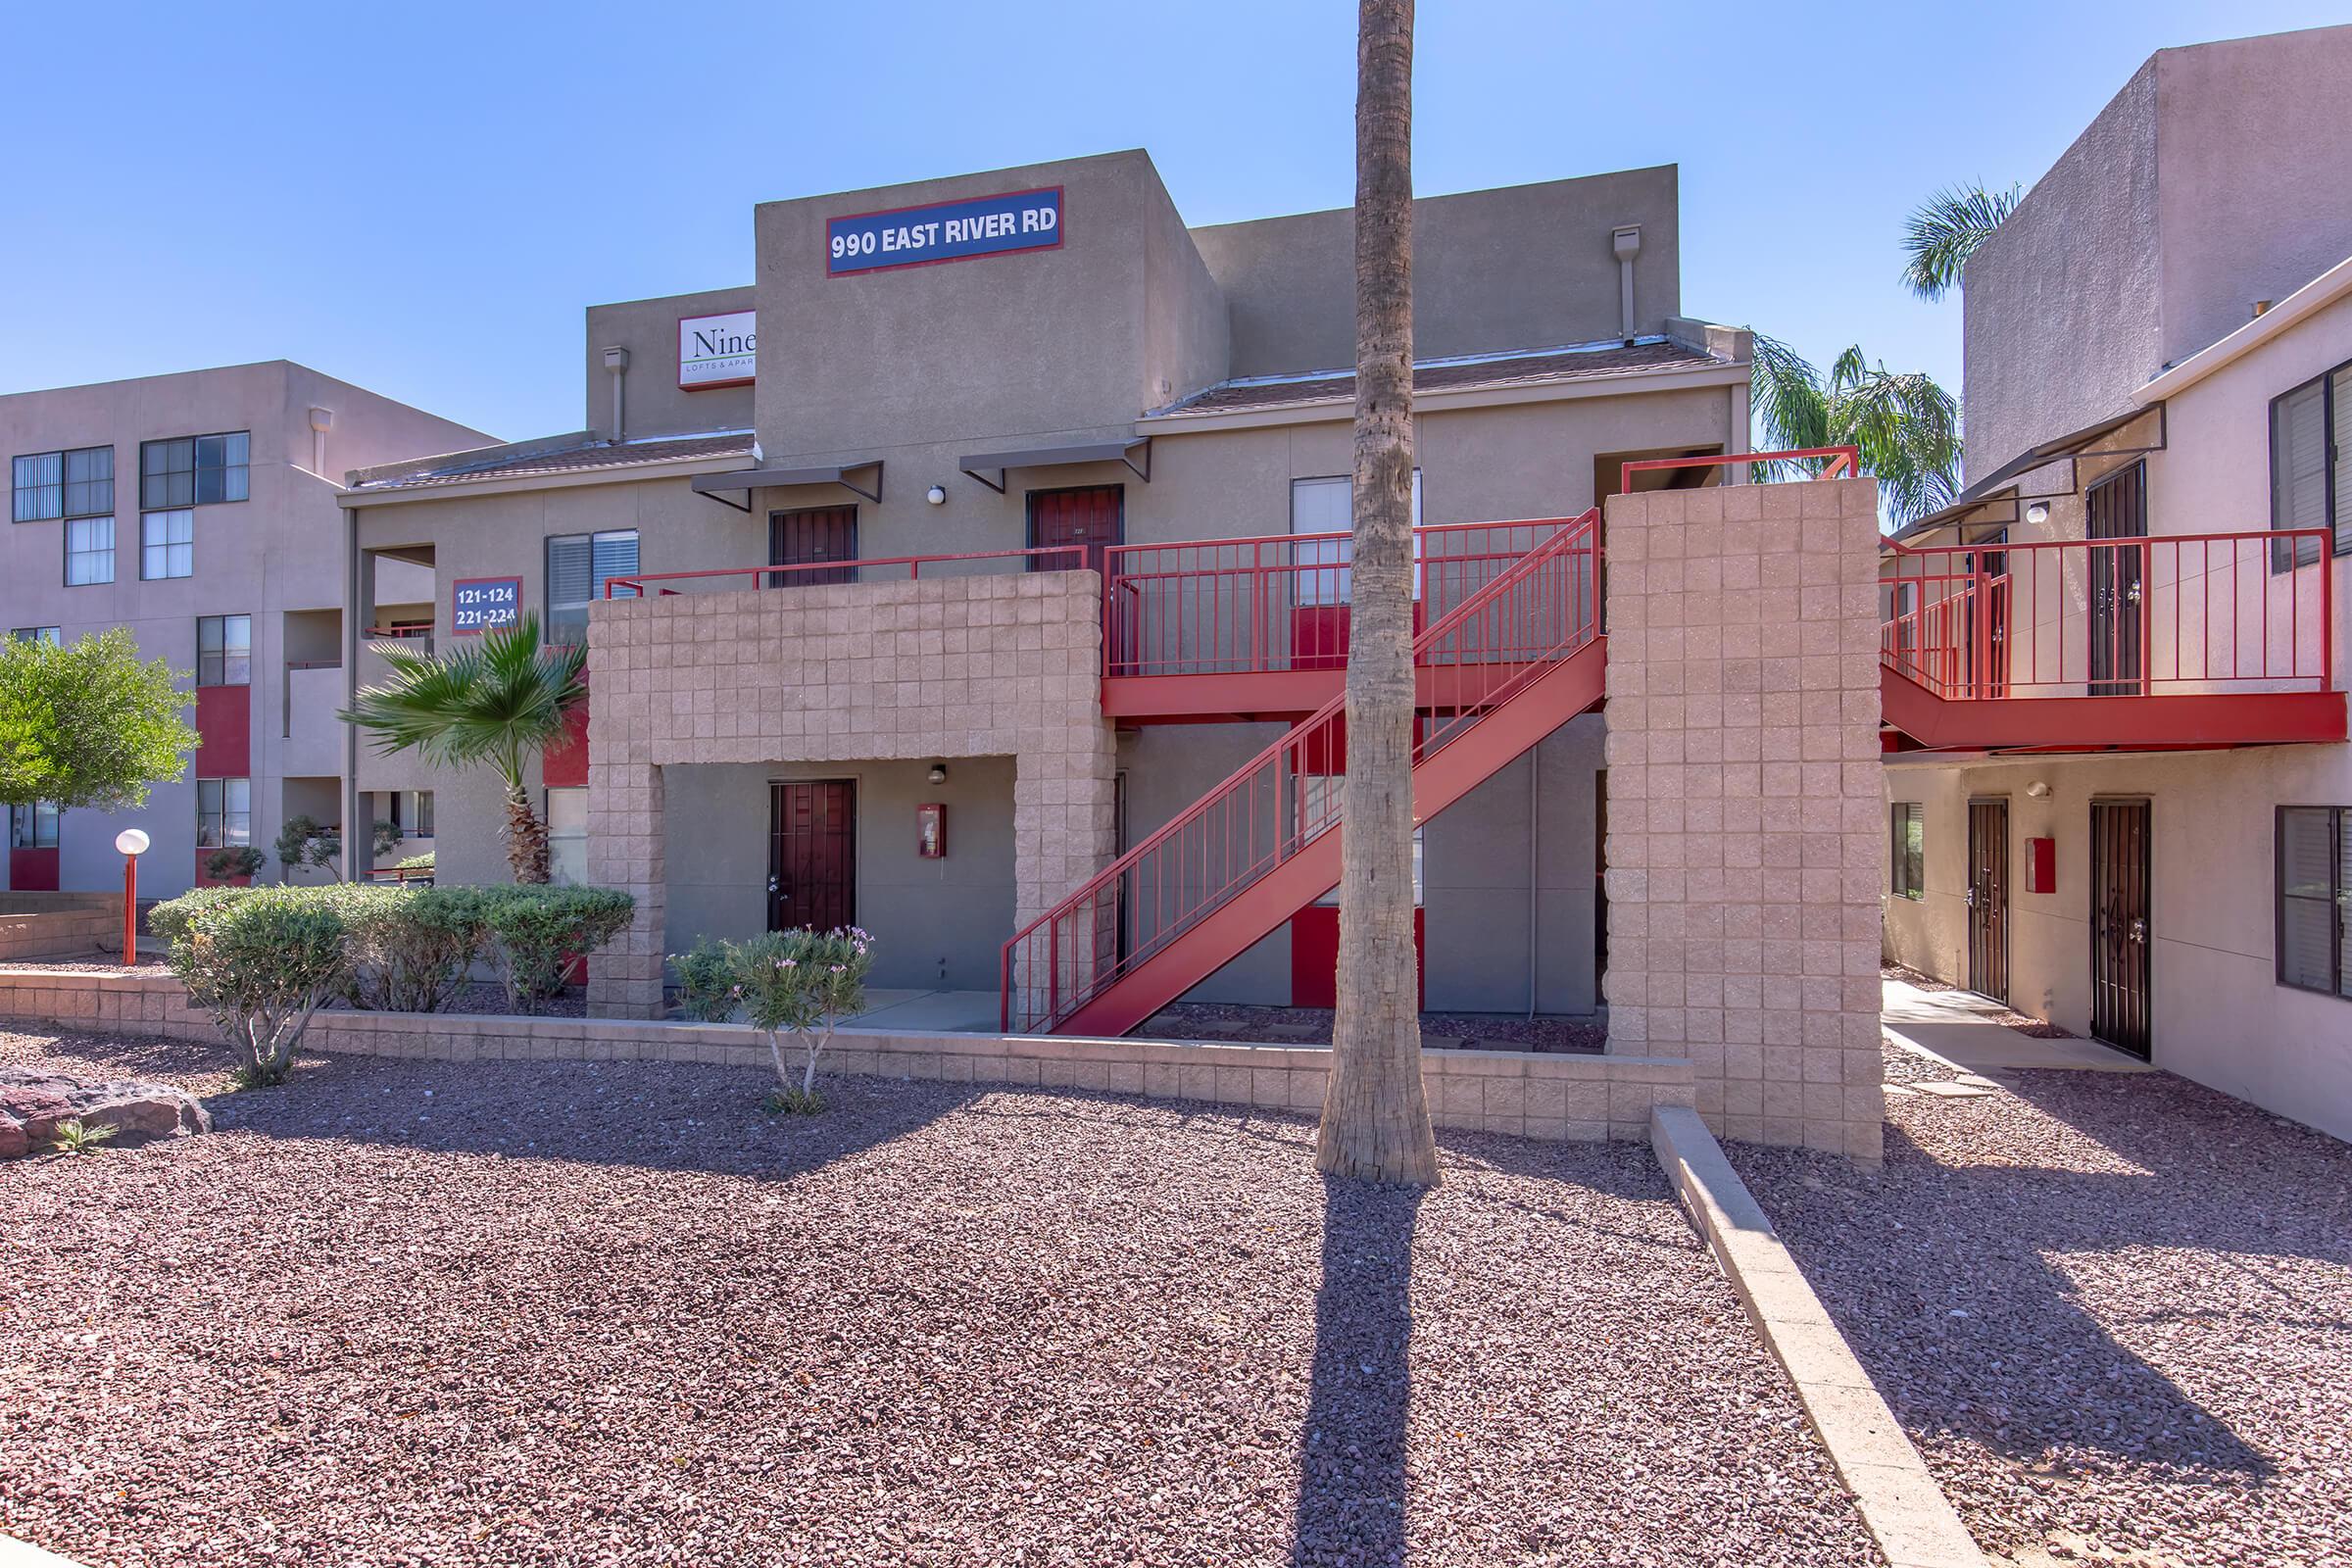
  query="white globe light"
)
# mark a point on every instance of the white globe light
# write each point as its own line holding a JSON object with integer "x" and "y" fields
{"x": 130, "y": 841}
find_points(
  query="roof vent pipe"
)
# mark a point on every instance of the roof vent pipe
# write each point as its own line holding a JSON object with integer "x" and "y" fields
{"x": 616, "y": 362}
{"x": 1627, "y": 243}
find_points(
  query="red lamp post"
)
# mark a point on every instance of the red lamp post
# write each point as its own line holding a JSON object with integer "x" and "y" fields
{"x": 133, "y": 843}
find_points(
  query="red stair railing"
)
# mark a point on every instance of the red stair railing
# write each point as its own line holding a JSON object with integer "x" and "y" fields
{"x": 1485, "y": 650}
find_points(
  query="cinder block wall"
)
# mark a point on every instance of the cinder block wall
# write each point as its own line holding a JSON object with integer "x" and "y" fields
{"x": 1003, "y": 666}
{"x": 1744, "y": 802}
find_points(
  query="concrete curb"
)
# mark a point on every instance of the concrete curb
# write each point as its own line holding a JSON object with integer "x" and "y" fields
{"x": 1905, "y": 1512}
{"x": 15, "y": 1554}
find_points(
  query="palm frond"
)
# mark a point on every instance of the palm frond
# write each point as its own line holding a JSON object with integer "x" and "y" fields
{"x": 1908, "y": 430}
{"x": 493, "y": 700}
{"x": 1787, "y": 401}
{"x": 1944, "y": 230}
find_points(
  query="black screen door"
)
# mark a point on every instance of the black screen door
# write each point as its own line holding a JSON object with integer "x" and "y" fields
{"x": 1988, "y": 899}
{"x": 2119, "y": 925}
{"x": 809, "y": 538}
{"x": 812, "y": 855}
{"x": 2116, "y": 507}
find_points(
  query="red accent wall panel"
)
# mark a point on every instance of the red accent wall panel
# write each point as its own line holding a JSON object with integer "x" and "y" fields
{"x": 565, "y": 766}
{"x": 32, "y": 871}
{"x": 225, "y": 725}
{"x": 1315, "y": 957}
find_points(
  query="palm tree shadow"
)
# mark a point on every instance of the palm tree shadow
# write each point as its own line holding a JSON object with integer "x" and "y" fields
{"x": 1351, "y": 1452}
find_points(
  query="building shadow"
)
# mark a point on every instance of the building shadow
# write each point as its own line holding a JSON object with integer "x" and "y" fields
{"x": 1351, "y": 1451}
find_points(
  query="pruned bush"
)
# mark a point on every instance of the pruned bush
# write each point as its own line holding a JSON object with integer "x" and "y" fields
{"x": 537, "y": 932}
{"x": 706, "y": 988}
{"x": 801, "y": 983}
{"x": 413, "y": 947}
{"x": 168, "y": 920}
{"x": 243, "y": 860}
{"x": 262, "y": 964}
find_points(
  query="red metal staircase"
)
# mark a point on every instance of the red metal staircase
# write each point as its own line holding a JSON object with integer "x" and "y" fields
{"x": 1511, "y": 663}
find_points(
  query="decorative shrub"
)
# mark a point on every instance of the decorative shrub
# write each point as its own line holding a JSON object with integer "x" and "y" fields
{"x": 262, "y": 964}
{"x": 706, "y": 988}
{"x": 411, "y": 946}
{"x": 537, "y": 931}
{"x": 168, "y": 920}
{"x": 801, "y": 983}
{"x": 417, "y": 862}
{"x": 243, "y": 860}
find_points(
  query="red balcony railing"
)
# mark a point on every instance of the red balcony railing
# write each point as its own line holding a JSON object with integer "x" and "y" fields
{"x": 1226, "y": 607}
{"x": 816, "y": 573}
{"x": 2172, "y": 614}
{"x": 1537, "y": 609}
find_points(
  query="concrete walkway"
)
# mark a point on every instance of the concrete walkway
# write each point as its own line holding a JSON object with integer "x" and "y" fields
{"x": 954, "y": 1011}
{"x": 1964, "y": 1030}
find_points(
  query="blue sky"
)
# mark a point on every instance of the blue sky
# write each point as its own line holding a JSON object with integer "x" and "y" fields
{"x": 421, "y": 198}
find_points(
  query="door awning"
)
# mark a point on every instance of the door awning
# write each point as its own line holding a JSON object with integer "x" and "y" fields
{"x": 980, "y": 465}
{"x": 748, "y": 480}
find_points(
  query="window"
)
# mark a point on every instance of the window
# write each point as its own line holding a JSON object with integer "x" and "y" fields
{"x": 224, "y": 812}
{"x": 40, "y": 487}
{"x": 89, "y": 551}
{"x": 65, "y": 484}
{"x": 1328, "y": 505}
{"x": 166, "y": 544}
{"x": 2311, "y": 463}
{"x": 193, "y": 471}
{"x": 1908, "y": 840}
{"x": 411, "y": 811}
{"x": 2315, "y": 899}
{"x": 578, "y": 565}
{"x": 567, "y": 837}
{"x": 36, "y": 634}
{"x": 32, "y": 827}
{"x": 224, "y": 650}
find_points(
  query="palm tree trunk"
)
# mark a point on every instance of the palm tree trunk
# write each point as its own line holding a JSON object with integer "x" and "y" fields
{"x": 1375, "y": 1117}
{"x": 526, "y": 837}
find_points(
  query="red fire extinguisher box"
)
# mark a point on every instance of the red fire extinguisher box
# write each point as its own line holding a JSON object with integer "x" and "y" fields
{"x": 931, "y": 830}
{"x": 2041, "y": 865}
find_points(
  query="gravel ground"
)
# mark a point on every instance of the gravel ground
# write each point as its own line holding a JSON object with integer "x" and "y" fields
{"x": 2115, "y": 1312}
{"x": 1439, "y": 1031}
{"x": 99, "y": 964}
{"x": 542, "y": 1314}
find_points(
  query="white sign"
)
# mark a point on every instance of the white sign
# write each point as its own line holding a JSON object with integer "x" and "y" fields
{"x": 718, "y": 350}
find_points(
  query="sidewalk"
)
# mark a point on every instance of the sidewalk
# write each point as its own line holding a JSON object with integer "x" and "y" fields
{"x": 1963, "y": 1030}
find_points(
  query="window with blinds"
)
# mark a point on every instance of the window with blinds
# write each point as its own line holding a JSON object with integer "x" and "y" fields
{"x": 2314, "y": 897}
{"x": 578, "y": 565}
{"x": 2311, "y": 454}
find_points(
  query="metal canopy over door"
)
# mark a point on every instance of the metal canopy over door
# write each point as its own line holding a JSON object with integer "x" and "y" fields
{"x": 2116, "y": 507}
{"x": 1988, "y": 899}
{"x": 813, "y": 854}
{"x": 813, "y": 534}
{"x": 2119, "y": 925}
{"x": 1092, "y": 518}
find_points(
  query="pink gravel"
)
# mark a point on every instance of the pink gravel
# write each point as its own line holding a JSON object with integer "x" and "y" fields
{"x": 2114, "y": 1310}
{"x": 557, "y": 1313}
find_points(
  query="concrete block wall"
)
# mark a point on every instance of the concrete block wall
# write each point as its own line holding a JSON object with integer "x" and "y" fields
{"x": 1745, "y": 823}
{"x": 1007, "y": 664}
{"x": 64, "y": 932}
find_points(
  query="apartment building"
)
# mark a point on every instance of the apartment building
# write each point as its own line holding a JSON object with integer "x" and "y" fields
{"x": 1014, "y": 508}
{"x": 195, "y": 510}
{"x": 2118, "y": 791}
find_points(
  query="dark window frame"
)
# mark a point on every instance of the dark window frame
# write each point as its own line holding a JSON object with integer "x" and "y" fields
{"x": 167, "y": 545}
{"x": 111, "y": 552}
{"x": 37, "y": 813}
{"x": 195, "y": 472}
{"x": 416, "y": 820}
{"x": 65, "y": 485}
{"x": 54, "y": 636}
{"x": 1908, "y": 867}
{"x": 215, "y": 821}
{"x": 2339, "y": 890}
{"x": 546, "y": 580}
{"x": 213, "y": 663}
{"x": 2335, "y": 472}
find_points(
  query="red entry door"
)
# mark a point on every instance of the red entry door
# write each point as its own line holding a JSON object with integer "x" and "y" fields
{"x": 812, "y": 855}
{"x": 1088, "y": 521}
{"x": 814, "y": 534}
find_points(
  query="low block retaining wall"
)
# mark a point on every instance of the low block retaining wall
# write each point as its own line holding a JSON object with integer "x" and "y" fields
{"x": 1529, "y": 1095}
{"x": 57, "y": 926}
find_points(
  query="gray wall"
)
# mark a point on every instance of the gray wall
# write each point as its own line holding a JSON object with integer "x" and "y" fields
{"x": 939, "y": 923}
{"x": 1525, "y": 266}
{"x": 655, "y": 403}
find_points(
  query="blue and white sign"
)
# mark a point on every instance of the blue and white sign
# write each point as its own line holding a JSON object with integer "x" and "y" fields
{"x": 945, "y": 232}
{"x": 478, "y": 604}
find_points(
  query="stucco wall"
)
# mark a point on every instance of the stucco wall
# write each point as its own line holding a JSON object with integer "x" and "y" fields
{"x": 1744, "y": 836}
{"x": 656, "y": 404}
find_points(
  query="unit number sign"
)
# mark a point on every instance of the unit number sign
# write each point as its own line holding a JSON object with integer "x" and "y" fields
{"x": 478, "y": 604}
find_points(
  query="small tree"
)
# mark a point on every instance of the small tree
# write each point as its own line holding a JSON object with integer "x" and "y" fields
{"x": 494, "y": 702}
{"x": 801, "y": 982}
{"x": 261, "y": 961}
{"x": 241, "y": 860}
{"x": 88, "y": 724}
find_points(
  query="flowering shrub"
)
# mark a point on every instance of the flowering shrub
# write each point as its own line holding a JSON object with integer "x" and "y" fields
{"x": 801, "y": 982}
{"x": 706, "y": 988}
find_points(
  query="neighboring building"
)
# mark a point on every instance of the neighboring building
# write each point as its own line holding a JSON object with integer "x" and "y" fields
{"x": 2121, "y": 800}
{"x": 1042, "y": 358}
{"x": 193, "y": 509}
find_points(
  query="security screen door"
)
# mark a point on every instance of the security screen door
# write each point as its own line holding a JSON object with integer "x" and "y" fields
{"x": 1090, "y": 520}
{"x": 2116, "y": 508}
{"x": 808, "y": 537}
{"x": 2119, "y": 925}
{"x": 813, "y": 854}
{"x": 1988, "y": 899}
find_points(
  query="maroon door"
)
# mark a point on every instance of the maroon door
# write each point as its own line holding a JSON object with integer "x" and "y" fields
{"x": 813, "y": 534}
{"x": 1091, "y": 519}
{"x": 812, "y": 855}
{"x": 2117, "y": 508}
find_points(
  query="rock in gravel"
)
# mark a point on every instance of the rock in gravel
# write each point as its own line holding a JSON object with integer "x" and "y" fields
{"x": 34, "y": 1102}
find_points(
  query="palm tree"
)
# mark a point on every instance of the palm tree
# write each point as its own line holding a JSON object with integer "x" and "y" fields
{"x": 1375, "y": 1115}
{"x": 1907, "y": 427}
{"x": 1945, "y": 229}
{"x": 492, "y": 702}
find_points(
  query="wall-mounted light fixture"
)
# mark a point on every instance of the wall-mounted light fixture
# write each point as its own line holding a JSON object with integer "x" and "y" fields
{"x": 2038, "y": 790}
{"x": 939, "y": 773}
{"x": 2039, "y": 512}
{"x": 937, "y": 495}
